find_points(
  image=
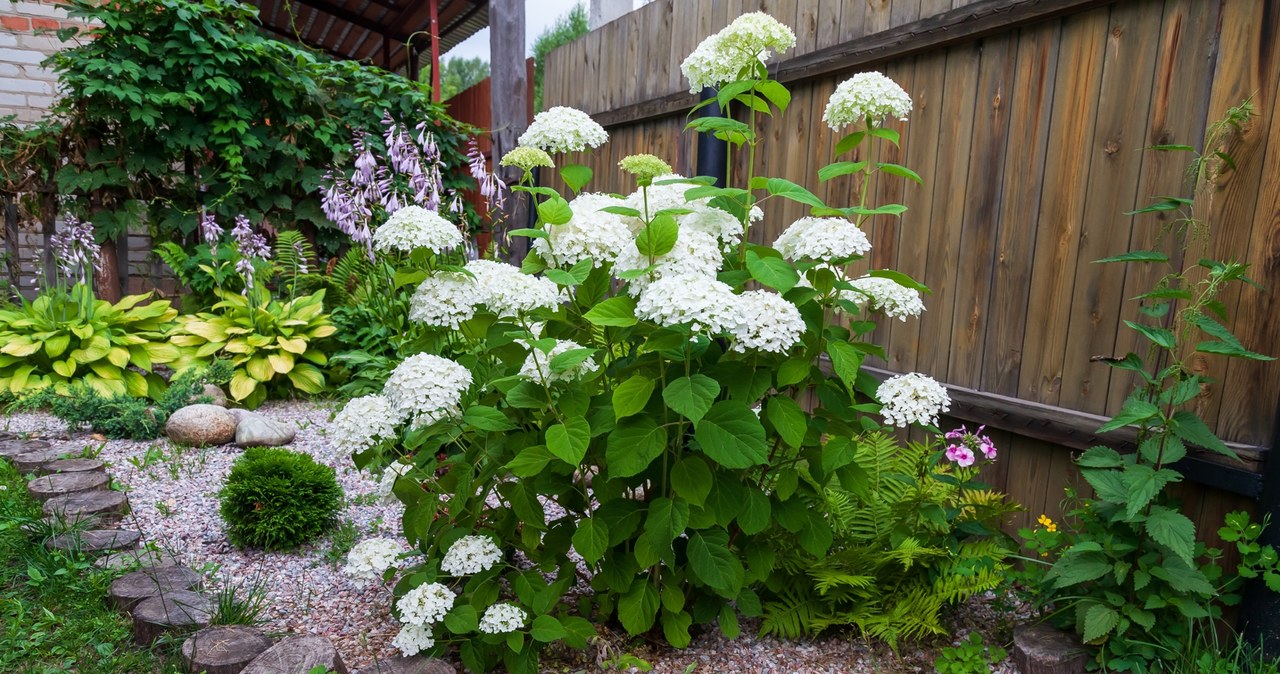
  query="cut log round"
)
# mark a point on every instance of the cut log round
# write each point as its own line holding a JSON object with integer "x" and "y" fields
{"x": 223, "y": 650}
{"x": 297, "y": 655}
{"x": 10, "y": 448}
{"x": 95, "y": 540}
{"x": 128, "y": 560}
{"x": 414, "y": 665}
{"x": 108, "y": 506}
{"x": 1041, "y": 649}
{"x": 72, "y": 466}
{"x": 180, "y": 610}
{"x": 30, "y": 462}
{"x": 130, "y": 589}
{"x": 61, "y": 484}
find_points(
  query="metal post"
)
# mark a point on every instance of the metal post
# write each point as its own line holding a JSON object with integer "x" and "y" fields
{"x": 1260, "y": 611}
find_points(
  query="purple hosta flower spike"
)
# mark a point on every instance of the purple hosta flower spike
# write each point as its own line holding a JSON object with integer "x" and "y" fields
{"x": 251, "y": 245}
{"x": 210, "y": 230}
{"x": 75, "y": 249}
{"x": 302, "y": 257}
{"x": 366, "y": 164}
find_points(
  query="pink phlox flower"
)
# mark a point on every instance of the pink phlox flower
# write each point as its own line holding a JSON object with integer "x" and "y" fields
{"x": 960, "y": 455}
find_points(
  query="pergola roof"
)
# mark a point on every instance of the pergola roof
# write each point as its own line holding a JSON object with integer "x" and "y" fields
{"x": 374, "y": 31}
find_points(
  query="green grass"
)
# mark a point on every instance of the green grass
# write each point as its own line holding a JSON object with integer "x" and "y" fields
{"x": 53, "y": 612}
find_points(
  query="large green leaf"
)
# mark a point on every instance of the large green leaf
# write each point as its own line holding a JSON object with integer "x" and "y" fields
{"x": 667, "y": 519}
{"x": 714, "y": 564}
{"x": 788, "y": 419}
{"x": 638, "y": 608}
{"x": 691, "y": 396}
{"x": 591, "y": 539}
{"x": 774, "y": 272}
{"x": 307, "y": 378}
{"x": 569, "y": 440}
{"x": 619, "y": 312}
{"x": 632, "y": 395}
{"x": 691, "y": 479}
{"x": 1099, "y": 620}
{"x": 658, "y": 237}
{"x": 633, "y": 445}
{"x": 1174, "y": 531}
{"x": 732, "y": 436}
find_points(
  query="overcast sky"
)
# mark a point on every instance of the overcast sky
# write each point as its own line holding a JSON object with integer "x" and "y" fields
{"x": 538, "y": 15}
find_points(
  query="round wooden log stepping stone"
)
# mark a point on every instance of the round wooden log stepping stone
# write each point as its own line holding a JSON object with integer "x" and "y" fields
{"x": 95, "y": 540}
{"x": 61, "y": 484}
{"x": 1043, "y": 649}
{"x": 130, "y": 589}
{"x": 223, "y": 650}
{"x": 9, "y": 448}
{"x": 30, "y": 462}
{"x": 297, "y": 655}
{"x": 413, "y": 665}
{"x": 177, "y": 610}
{"x": 108, "y": 506}
{"x": 72, "y": 466}
{"x": 135, "y": 559}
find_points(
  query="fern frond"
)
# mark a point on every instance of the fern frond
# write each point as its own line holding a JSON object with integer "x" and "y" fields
{"x": 791, "y": 616}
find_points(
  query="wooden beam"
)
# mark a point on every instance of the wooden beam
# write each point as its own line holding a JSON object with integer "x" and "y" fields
{"x": 964, "y": 24}
{"x": 337, "y": 12}
{"x": 509, "y": 107}
{"x": 435, "y": 49}
{"x": 294, "y": 38}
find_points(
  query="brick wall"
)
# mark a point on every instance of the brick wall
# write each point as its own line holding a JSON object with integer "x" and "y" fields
{"x": 26, "y": 39}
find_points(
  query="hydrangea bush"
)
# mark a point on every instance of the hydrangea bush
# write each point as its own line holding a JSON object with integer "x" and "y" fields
{"x": 631, "y": 417}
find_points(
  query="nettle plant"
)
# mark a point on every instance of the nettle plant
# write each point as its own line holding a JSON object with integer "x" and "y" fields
{"x": 644, "y": 405}
{"x": 1137, "y": 580}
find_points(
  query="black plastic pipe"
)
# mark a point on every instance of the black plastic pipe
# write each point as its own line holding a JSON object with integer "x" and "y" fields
{"x": 713, "y": 153}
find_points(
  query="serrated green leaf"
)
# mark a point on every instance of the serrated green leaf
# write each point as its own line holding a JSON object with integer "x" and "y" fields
{"x": 691, "y": 396}
{"x": 568, "y": 441}
{"x": 1099, "y": 621}
{"x": 1173, "y": 530}
{"x": 731, "y": 435}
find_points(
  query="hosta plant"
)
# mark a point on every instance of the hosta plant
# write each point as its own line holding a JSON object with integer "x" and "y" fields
{"x": 644, "y": 405}
{"x": 66, "y": 336}
{"x": 269, "y": 342}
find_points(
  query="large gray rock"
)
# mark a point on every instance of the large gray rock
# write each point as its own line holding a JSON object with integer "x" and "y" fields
{"x": 201, "y": 425}
{"x": 255, "y": 430}
{"x": 217, "y": 396}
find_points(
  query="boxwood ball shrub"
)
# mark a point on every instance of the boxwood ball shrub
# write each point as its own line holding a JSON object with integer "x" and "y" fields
{"x": 277, "y": 499}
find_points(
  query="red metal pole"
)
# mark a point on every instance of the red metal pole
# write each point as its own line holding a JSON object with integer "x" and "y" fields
{"x": 435, "y": 49}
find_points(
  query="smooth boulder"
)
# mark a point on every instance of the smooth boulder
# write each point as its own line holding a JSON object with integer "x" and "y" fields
{"x": 255, "y": 430}
{"x": 216, "y": 396}
{"x": 201, "y": 425}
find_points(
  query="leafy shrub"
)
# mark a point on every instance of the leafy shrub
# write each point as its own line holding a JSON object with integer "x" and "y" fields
{"x": 201, "y": 271}
{"x": 124, "y": 416}
{"x": 278, "y": 499}
{"x": 970, "y": 657}
{"x": 267, "y": 341}
{"x": 67, "y": 336}
{"x": 914, "y": 537}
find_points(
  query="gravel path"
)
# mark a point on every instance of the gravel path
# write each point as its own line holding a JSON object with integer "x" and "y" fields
{"x": 173, "y": 494}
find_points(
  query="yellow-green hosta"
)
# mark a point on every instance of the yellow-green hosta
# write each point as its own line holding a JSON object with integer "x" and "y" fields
{"x": 267, "y": 341}
{"x": 65, "y": 337}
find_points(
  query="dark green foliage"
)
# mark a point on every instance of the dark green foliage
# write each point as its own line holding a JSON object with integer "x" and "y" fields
{"x": 916, "y": 537}
{"x": 278, "y": 499}
{"x": 122, "y": 416}
{"x": 970, "y": 657}
{"x": 566, "y": 29}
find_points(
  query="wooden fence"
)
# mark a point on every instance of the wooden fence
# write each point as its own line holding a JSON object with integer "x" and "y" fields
{"x": 1030, "y": 126}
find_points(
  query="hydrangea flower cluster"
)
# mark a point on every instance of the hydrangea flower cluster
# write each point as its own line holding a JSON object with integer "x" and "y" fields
{"x": 413, "y": 639}
{"x": 766, "y": 322}
{"x": 415, "y": 227}
{"x": 826, "y": 239}
{"x": 363, "y": 422}
{"x": 695, "y": 254}
{"x": 562, "y": 129}
{"x": 387, "y": 481}
{"x": 469, "y": 555}
{"x": 427, "y": 388}
{"x": 537, "y": 365}
{"x": 527, "y": 158}
{"x": 912, "y": 398}
{"x": 866, "y": 96}
{"x": 507, "y": 291}
{"x": 963, "y": 446}
{"x": 742, "y": 44}
{"x": 445, "y": 300}
{"x": 75, "y": 249}
{"x": 886, "y": 295}
{"x": 591, "y": 234}
{"x": 645, "y": 167}
{"x": 704, "y": 217}
{"x": 371, "y": 558}
{"x": 695, "y": 299}
{"x": 426, "y": 604}
{"x": 502, "y": 618}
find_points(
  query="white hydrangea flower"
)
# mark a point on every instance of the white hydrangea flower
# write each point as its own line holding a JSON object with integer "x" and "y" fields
{"x": 886, "y": 295}
{"x": 502, "y": 618}
{"x": 362, "y": 423}
{"x": 509, "y": 292}
{"x": 694, "y": 253}
{"x": 387, "y": 481}
{"x": 414, "y": 639}
{"x": 537, "y": 365}
{"x": 866, "y": 95}
{"x": 445, "y": 300}
{"x": 426, "y": 387}
{"x": 414, "y": 227}
{"x": 766, "y": 322}
{"x": 470, "y": 554}
{"x": 591, "y": 234}
{"x": 371, "y": 558}
{"x": 426, "y": 604}
{"x": 912, "y": 398}
{"x": 822, "y": 239}
{"x": 723, "y": 56}
{"x": 704, "y": 218}
{"x": 702, "y": 301}
{"x": 562, "y": 129}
